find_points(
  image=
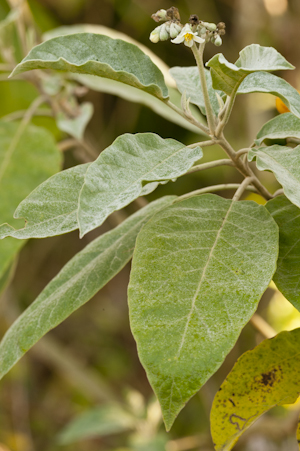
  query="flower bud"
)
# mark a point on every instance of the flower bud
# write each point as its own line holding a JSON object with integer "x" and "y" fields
{"x": 202, "y": 31}
{"x": 159, "y": 15}
{"x": 154, "y": 36}
{"x": 175, "y": 29}
{"x": 163, "y": 33}
{"x": 210, "y": 26}
{"x": 218, "y": 41}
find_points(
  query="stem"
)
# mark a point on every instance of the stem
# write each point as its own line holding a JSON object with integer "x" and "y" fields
{"x": 262, "y": 326}
{"x": 190, "y": 119}
{"x": 211, "y": 164}
{"x": 214, "y": 188}
{"x": 202, "y": 144}
{"x": 225, "y": 114}
{"x": 20, "y": 114}
{"x": 198, "y": 54}
{"x": 241, "y": 152}
{"x": 242, "y": 188}
{"x": 278, "y": 192}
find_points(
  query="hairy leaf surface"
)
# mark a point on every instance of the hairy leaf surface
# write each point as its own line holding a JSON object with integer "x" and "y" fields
{"x": 76, "y": 126}
{"x": 51, "y": 209}
{"x": 28, "y": 156}
{"x": 95, "y": 54}
{"x": 227, "y": 76}
{"x": 187, "y": 79}
{"x": 271, "y": 84}
{"x": 267, "y": 376}
{"x": 284, "y": 162}
{"x": 76, "y": 283}
{"x": 287, "y": 276}
{"x": 199, "y": 270}
{"x": 281, "y": 127}
{"x": 123, "y": 171}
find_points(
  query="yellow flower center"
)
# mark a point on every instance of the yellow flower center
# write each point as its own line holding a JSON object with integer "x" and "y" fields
{"x": 188, "y": 37}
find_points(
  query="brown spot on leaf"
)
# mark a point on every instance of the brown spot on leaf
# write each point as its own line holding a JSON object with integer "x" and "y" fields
{"x": 269, "y": 378}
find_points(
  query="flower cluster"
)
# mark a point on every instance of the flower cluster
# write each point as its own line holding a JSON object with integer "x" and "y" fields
{"x": 194, "y": 31}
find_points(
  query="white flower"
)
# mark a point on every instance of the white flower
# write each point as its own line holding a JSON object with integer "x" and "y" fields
{"x": 188, "y": 37}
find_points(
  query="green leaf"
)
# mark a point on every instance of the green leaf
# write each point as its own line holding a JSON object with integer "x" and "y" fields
{"x": 95, "y": 54}
{"x": 51, "y": 209}
{"x": 123, "y": 171}
{"x": 287, "y": 217}
{"x": 77, "y": 282}
{"x": 98, "y": 422}
{"x": 28, "y": 156}
{"x": 187, "y": 79}
{"x": 281, "y": 127}
{"x": 76, "y": 126}
{"x": 284, "y": 162}
{"x": 267, "y": 376}
{"x": 198, "y": 272}
{"x": 227, "y": 76}
{"x": 269, "y": 83}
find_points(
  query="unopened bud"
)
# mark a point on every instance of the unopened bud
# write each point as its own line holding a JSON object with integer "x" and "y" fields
{"x": 173, "y": 14}
{"x": 159, "y": 15}
{"x": 211, "y": 26}
{"x": 218, "y": 41}
{"x": 194, "y": 20}
{"x": 154, "y": 36}
{"x": 202, "y": 31}
{"x": 221, "y": 25}
{"x": 163, "y": 34}
{"x": 175, "y": 29}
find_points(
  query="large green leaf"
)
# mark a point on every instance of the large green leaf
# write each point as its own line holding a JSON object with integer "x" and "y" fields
{"x": 123, "y": 171}
{"x": 51, "y": 209}
{"x": 271, "y": 84}
{"x": 28, "y": 156}
{"x": 198, "y": 272}
{"x": 188, "y": 80}
{"x": 95, "y": 54}
{"x": 287, "y": 217}
{"x": 281, "y": 127}
{"x": 284, "y": 162}
{"x": 227, "y": 76}
{"x": 76, "y": 283}
{"x": 267, "y": 376}
{"x": 98, "y": 422}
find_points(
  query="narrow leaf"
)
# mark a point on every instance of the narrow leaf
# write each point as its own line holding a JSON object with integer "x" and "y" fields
{"x": 271, "y": 84}
{"x": 281, "y": 127}
{"x": 287, "y": 217}
{"x": 121, "y": 171}
{"x": 28, "y": 156}
{"x": 76, "y": 283}
{"x": 187, "y": 79}
{"x": 95, "y": 54}
{"x": 51, "y": 209}
{"x": 76, "y": 126}
{"x": 267, "y": 376}
{"x": 284, "y": 162}
{"x": 227, "y": 76}
{"x": 198, "y": 272}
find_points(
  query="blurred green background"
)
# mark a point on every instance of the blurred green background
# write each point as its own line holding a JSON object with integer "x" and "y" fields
{"x": 90, "y": 360}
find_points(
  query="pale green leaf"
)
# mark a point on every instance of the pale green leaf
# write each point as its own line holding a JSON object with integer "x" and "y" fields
{"x": 77, "y": 282}
{"x": 95, "y": 54}
{"x": 287, "y": 276}
{"x": 98, "y": 422}
{"x": 28, "y": 156}
{"x": 281, "y": 127}
{"x": 198, "y": 272}
{"x": 284, "y": 162}
{"x": 188, "y": 80}
{"x": 121, "y": 171}
{"x": 227, "y": 76}
{"x": 76, "y": 126}
{"x": 271, "y": 84}
{"x": 267, "y": 376}
{"x": 51, "y": 209}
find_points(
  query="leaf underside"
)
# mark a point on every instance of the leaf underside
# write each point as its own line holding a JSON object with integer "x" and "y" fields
{"x": 198, "y": 272}
{"x": 280, "y": 127}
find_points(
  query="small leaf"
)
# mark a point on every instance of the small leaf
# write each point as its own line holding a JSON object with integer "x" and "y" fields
{"x": 77, "y": 282}
{"x": 28, "y": 156}
{"x": 98, "y": 422}
{"x": 76, "y": 126}
{"x": 287, "y": 217}
{"x": 227, "y": 76}
{"x": 284, "y": 162}
{"x": 265, "y": 377}
{"x": 281, "y": 127}
{"x": 51, "y": 209}
{"x": 187, "y": 80}
{"x": 199, "y": 269}
{"x": 95, "y": 54}
{"x": 120, "y": 173}
{"x": 269, "y": 83}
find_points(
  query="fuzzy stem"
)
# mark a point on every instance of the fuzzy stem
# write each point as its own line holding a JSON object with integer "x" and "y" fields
{"x": 214, "y": 188}
{"x": 211, "y": 164}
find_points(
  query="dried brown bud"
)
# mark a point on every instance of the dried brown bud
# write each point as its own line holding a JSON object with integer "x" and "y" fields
{"x": 221, "y": 32}
{"x": 173, "y": 13}
{"x": 194, "y": 20}
{"x": 221, "y": 26}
